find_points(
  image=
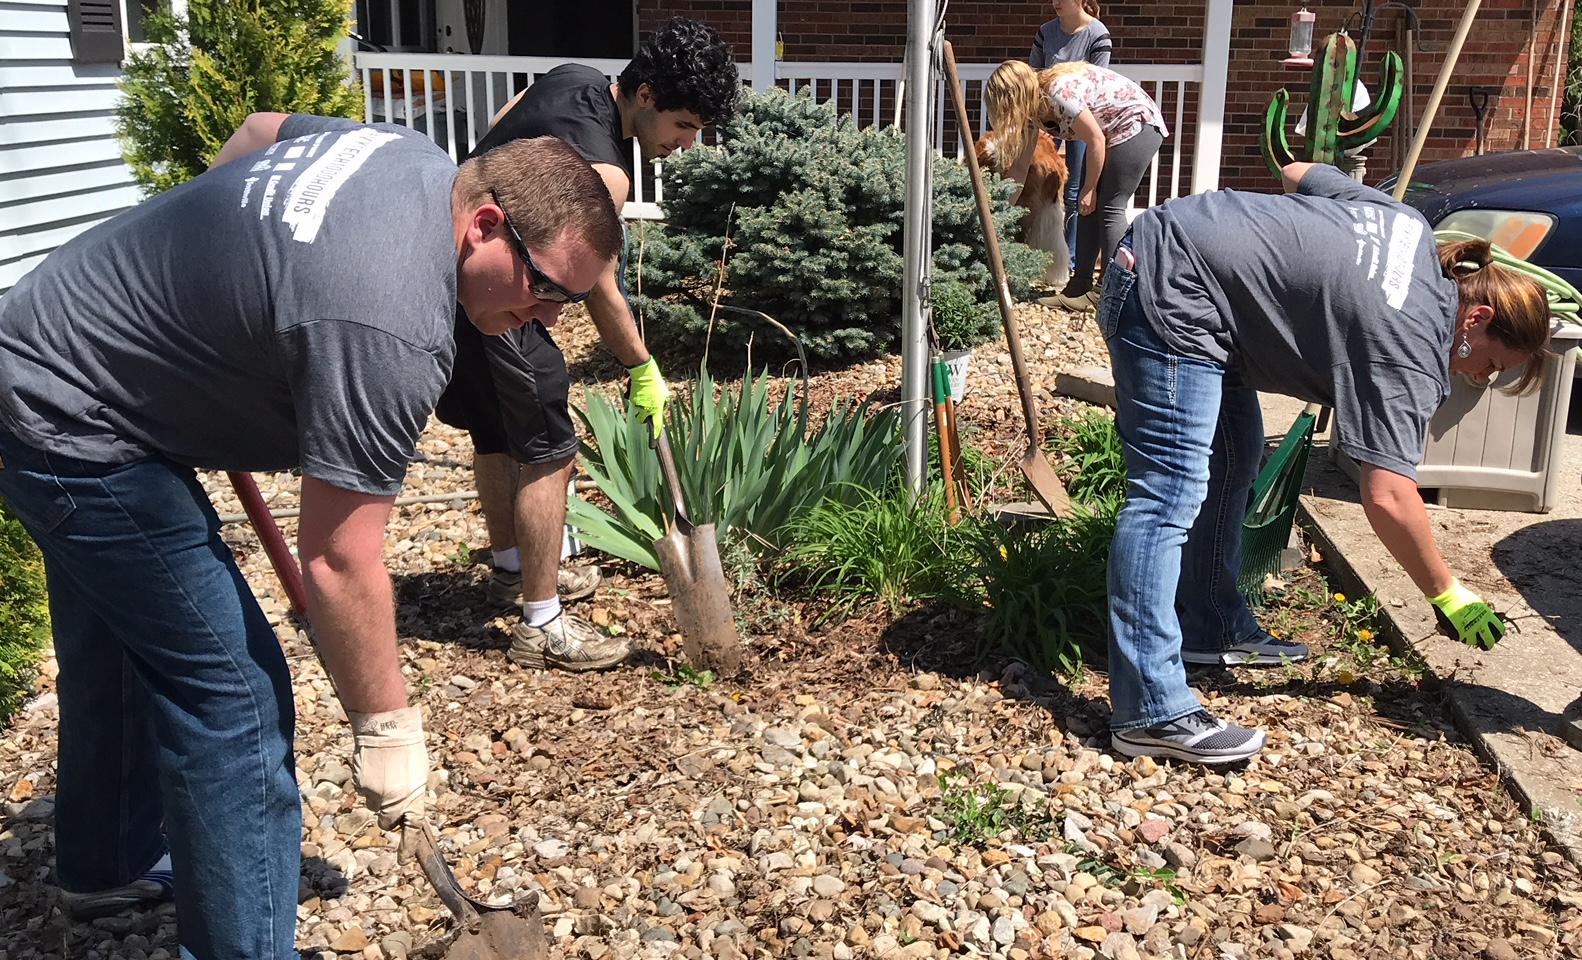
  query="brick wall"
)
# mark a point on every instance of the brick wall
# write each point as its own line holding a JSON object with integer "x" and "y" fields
{"x": 1495, "y": 55}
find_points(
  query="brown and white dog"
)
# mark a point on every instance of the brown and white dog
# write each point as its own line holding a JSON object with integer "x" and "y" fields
{"x": 1044, "y": 227}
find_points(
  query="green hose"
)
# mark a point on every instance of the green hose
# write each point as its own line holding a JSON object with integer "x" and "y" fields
{"x": 1564, "y": 300}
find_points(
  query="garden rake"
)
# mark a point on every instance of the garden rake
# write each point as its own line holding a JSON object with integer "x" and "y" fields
{"x": 1272, "y": 508}
{"x": 1040, "y": 475}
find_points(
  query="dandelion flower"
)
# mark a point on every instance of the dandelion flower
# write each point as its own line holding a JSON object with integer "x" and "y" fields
{"x": 1365, "y": 635}
{"x": 1340, "y": 598}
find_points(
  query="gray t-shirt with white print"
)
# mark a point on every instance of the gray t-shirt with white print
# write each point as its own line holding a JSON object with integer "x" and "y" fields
{"x": 292, "y": 308}
{"x": 1332, "y": 295}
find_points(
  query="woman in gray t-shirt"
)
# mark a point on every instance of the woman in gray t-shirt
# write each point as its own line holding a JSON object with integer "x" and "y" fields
{"x": 1337, "y": 295}
{"x": 1076, "y": 35}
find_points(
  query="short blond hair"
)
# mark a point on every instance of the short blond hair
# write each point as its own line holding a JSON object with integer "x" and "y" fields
{"x": 1014, "y": 97}
{"x": 548, "y": 190}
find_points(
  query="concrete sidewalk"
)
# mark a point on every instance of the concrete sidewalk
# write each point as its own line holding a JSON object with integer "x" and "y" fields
{"x": 1509, "y": 700}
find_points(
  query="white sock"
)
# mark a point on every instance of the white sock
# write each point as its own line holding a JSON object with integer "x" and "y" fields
{"x": 508, "y": 560}
{"x": 539, "y": 612}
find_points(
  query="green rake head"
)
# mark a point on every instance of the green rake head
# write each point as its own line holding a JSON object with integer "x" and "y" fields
{"x": 1331, "y": 128}
{"x": 1267, "y": 529}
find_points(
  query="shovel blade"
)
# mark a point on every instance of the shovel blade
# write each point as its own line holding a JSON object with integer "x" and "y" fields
{"x": 501, "y": 935}
{"x": 700, "y": 599}
{"x": 1046, "y": 486}
{"x": 483, "y": 932}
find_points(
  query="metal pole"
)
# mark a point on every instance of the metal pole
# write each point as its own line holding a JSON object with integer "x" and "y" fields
{"x": 914, "y": 274}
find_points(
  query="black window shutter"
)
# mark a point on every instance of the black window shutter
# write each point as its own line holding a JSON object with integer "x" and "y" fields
{"x": 95, "y": 30}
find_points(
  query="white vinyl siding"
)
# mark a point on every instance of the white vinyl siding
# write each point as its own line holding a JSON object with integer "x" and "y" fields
{"x": 61, "y": 171}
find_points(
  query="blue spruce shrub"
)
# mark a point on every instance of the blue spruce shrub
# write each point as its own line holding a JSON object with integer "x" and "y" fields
{"x": 814, "y": 210}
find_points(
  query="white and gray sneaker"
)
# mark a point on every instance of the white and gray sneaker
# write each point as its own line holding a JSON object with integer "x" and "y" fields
{"x": 1198, "y": 737}
{"x": 571, "y": 583}
{"x": 1258, "y": 651}
{"x": 567, "y": 643}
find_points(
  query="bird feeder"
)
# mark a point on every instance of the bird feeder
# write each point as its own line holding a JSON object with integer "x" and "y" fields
{"x": 1301, "y": 45}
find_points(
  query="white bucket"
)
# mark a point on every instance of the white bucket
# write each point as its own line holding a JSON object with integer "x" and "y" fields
{"x": 956, "y": 372}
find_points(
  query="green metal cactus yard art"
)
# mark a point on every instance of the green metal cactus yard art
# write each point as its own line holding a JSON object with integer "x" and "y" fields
{"x": 1332, "y": 129}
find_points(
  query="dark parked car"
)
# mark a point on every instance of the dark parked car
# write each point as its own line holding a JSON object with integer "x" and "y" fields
{"x": 1527, "y": 201}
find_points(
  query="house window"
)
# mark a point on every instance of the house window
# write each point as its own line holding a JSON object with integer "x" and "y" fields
{"x": 133, "y": 12}
{"x": 397, "y": 24}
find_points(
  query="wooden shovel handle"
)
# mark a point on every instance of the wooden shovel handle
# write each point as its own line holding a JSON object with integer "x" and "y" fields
{"x": 991, "y": 243}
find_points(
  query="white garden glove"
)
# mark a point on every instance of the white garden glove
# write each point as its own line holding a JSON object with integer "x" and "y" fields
{"x": 390, "y": 763}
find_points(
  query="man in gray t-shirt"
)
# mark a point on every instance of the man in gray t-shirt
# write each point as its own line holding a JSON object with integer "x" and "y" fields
{"x": 290, "y": 309}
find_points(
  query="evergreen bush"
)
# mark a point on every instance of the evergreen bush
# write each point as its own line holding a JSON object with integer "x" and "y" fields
{"x": 204, "y": 71}
{"x": 813, "y": 210}
{"x": 24, "y": 613}
{"x": 961, "y": 320}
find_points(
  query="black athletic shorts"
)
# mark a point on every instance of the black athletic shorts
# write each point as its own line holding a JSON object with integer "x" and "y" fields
{"x": 510, "y": 393}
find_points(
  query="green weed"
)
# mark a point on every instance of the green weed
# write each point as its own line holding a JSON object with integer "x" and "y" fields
{"x": 976, "y": 815}
{"x": 680, "y": 675}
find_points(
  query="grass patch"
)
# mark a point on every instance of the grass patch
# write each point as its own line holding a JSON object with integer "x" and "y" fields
{"x": 877, "y": 546}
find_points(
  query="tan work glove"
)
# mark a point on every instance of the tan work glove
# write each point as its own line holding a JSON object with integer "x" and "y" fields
{"x": 390, "y": 763}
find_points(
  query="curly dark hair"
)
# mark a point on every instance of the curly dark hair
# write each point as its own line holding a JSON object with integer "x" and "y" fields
{"x": 687, "y": 67}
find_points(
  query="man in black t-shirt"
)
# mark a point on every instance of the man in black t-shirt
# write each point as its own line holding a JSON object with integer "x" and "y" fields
{"x": 510, "y": 392}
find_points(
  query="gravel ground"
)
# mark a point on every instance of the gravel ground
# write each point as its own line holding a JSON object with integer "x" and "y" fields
{"x": 806, "y": 811}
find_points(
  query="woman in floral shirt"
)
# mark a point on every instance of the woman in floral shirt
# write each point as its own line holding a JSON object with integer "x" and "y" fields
{"x": 1121, "y": 126}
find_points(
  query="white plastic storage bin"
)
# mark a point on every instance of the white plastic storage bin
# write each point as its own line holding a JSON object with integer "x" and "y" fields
{"x": 1488, "y": 450}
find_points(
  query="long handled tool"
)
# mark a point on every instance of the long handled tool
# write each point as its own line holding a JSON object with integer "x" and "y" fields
{"x": 689, "y": 558}
{"x": 947, "y": 455}
{"x": 286, "y": 566}
{"x": 957, "y": 465}
{"x": 483, "y": 932}
{"x": 1040, "y": 475}
{"x": 1404, "y": 178}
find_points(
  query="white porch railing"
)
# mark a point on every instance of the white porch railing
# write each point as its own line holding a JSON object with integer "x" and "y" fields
{"x": 453, "y": 98}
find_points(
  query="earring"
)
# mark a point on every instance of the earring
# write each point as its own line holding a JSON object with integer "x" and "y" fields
{"x": 1465, "y": 350}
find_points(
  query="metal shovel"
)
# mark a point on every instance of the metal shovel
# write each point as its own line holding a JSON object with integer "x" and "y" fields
{"x": 1040, "y": 475}
{"x": 483, "y": 932}
{"x": 689, "y": 558}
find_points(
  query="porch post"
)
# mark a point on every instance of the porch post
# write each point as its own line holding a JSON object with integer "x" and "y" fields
{"x": 764, "y": 29}
{"x": 1211, "y": 96}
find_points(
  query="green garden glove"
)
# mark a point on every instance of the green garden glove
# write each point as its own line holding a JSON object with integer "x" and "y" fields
{"x": 1467, "y": 617}
{"x": 649, "y": 392}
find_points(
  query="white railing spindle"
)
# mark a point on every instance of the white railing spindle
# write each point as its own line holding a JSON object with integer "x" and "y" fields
{"x": 857, "y": 89}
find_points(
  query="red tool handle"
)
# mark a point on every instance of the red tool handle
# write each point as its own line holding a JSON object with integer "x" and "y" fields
{"x": 286, "y": 566}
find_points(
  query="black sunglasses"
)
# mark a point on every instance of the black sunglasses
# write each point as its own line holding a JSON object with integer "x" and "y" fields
{"x": 542, "y": 287}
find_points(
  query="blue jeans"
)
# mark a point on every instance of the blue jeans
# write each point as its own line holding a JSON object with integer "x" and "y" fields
{"x": 1076, "y": 157}
{"x": 1192, "y": 435}
{"x": 175, "y": 700}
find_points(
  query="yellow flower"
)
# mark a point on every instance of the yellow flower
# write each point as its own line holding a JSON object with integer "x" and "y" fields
{"x": 1004, "y": 554}
{"x": 1346, "y": 677}
{"x": 1365, "y": 635}
{"x": 1340, "y": 598}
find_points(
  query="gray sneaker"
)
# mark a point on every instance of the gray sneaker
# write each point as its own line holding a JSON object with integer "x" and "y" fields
{"x": 572, "y": 583}
{"x": 567, "y": 643}
{"x": 157, "y": 885}
{"x": 1259, "y": 651}
{"x": 1198, "y": 737}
